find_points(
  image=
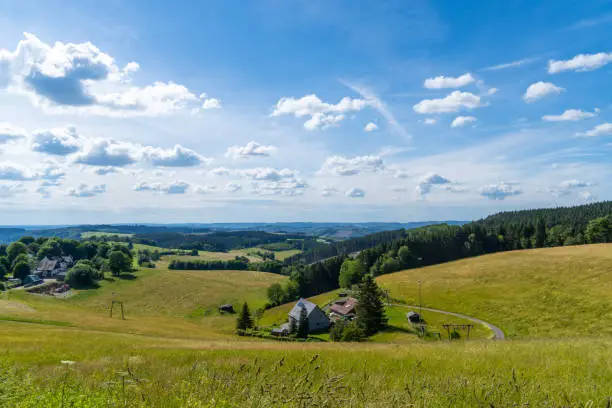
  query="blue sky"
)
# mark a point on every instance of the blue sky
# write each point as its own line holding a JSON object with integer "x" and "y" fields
{"x": 278, "y": 110}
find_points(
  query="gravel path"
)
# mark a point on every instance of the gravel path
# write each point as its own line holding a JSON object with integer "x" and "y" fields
{"x": 498, "y": 333}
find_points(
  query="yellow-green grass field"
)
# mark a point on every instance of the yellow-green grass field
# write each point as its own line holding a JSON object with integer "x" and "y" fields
{"x": 552, "y": 292}
{"x": 90, "y": 234}
{"x": 175, "y": 350}
{"x": 157, "y": 302}
{"x": 102, "y": 369}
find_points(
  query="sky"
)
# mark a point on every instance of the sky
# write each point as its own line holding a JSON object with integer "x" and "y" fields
{"x": 292, "y": 110}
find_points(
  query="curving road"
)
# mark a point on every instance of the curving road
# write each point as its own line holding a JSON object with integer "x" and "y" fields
{"x": 498, "y": 333}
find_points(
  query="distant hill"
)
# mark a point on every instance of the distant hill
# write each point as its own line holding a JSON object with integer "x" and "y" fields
{"x": 330, "y": 231}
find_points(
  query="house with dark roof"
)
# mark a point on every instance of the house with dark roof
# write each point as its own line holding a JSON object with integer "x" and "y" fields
{"x": 344, "y": 308}
{"x": 317, "y": 319}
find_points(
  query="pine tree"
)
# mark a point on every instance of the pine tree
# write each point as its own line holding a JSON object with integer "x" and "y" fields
{"x": 370, "y": 309}
{"x": 540, "y": 234}
{"x": 302, "y": 326}
{"x": 244, "y": 320}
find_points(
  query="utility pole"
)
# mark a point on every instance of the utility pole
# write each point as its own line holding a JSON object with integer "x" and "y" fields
{"x": 420, "y": 299}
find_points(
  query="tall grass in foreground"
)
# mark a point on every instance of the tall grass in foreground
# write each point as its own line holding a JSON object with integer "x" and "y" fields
{"x": 509, "y": 374}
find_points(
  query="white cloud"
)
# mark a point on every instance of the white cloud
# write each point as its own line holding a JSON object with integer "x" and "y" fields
{"x": 178, "y": 156}
{"x": 103, "y": 171}
{"x": 430, "y": 121}
{"x": 79, "y": 78}
{"x": 499, "y": 191}
{"x": 233, "y": 187}
{"x": 370, "y": 127}
{"x": 539, "y": 90}
{"x": 221, "y": 171}
{"x": 512, "y": 64}
{"x": 9, "y": 133}
{"x": 461, "y": 121}
{"x": 210, "y": 103}
{"x": 84, "y": 190}
{"x": 207, "y": 189}
{"x": 10, "y": 190}
{"x": 107, "y": 152}
{"x": 327, "y": 191}
{"x": 251, "y": 149}
{"x": 355, "y": 193}
{"x": 286, "y": 187}
{"x": 16, "y": 172}
{"x": 580, "y": 63}
{"x": 587, "y": 196}
{"x": 569, "y": 115}
{"x": 442, "y": 82}
{"x": 605, "y": 129}
{"x": 58, "y": 142}
{"x": 428, "y": 182}
{"x": 453, "y": 102}
{"x": 322, "y": 114}
{"x": 575, "y": 183}
{"x": 175, "y": 187}
{"x": 343, "y": 166}
{"x": 266, "y": 174}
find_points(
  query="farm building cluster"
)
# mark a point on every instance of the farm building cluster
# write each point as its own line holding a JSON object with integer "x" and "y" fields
{"x": 318, "y": 319}
{"x": 55, "y": 267}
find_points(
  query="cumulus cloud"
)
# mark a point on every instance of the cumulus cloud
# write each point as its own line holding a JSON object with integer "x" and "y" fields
{"x": 328, "y": 191}
{"x": 9, "y": 133}
{"x": 322, "y": 114}
{"x": 453, "y": 102}
{"x": 58, "y": 142}
{"x": 80, "y": 78}
{"x": 580, "y": 63}
{"x": 430, "y": 121}
{"x": 428, "y": 182}
{"x": 539, "y": 90}
{"x": 16, "y": 172}
{"x": 221, "y": 171}
{"x": 370, "y": 127}
{"x": 175, "y": 187}
{"x": 233, "y": 187}
{"x": 209, "y": 103}
{"x": 10, "y": 190}
{"x": 461, "y": 121}
{"x": 266, "y": 174}
{"x": 442, "y": 82}
{"x": 103, "y": 171}
{"x": 570, "y": 115}
{"x": 344, "y": 166}
{"x": 251, "y": 149}
{"x": 107, "y": 152}
{"x": 587, "y": 196}
{"x": 85, "y": 190}
{"x": 178, "y": 156}
{"x": 605, "y": 129}
{"x": 207, "y": 189}
{"x": 499, "y": 191}
{"x": 286, "y": 187}
{"x": 355, "y": 193}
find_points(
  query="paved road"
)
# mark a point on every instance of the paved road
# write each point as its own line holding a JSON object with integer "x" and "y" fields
{"x": 498, "y": 334}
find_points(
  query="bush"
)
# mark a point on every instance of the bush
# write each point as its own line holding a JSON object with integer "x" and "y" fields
{"x": 347, "y": 331}
{"x": 82, "y": 275}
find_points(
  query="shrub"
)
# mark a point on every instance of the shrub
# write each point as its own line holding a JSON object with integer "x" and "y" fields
{"x": 81, "y": 275}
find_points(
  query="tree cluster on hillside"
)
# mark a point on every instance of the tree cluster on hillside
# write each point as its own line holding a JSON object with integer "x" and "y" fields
{"x": 343, "y": 248}
{"x": 92, "y": 258}
{"x": 240, "y": 263}
{"x": 586, "y": 224}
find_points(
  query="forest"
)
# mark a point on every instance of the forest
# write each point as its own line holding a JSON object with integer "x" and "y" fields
{"x": 393, "y": 251}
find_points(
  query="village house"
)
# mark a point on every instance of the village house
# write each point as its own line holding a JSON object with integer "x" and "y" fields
{"x": 344, "y": 309}
{"x": 52, "y": 267}
{"x": 317, "y": 319}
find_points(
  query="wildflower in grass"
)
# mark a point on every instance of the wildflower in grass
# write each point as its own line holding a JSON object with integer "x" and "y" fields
{"x": 68, "y": 362}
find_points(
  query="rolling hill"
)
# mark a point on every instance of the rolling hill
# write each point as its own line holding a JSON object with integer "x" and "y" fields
{"x": 550, "y": 292}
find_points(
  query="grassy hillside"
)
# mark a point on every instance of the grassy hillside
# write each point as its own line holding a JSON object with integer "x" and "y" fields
{"x": 157, "y": 302}
{"x": 551, "y": 292}
{"x": 126, "y": 370}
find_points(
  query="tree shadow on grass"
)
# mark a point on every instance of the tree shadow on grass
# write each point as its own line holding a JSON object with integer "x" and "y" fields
{"x": 127, "y": 276}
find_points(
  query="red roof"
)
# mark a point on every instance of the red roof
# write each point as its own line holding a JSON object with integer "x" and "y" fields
{"x": 344, "y": 307}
